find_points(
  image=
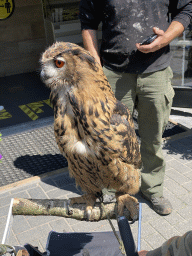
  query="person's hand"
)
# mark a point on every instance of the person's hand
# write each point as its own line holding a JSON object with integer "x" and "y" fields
{"x": 143, "y": 253}
{"x": 157, "y": 44}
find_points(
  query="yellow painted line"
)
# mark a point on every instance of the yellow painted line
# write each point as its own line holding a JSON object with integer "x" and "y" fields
{"x": 29, "y": 109}
{"x": 28, "y": 112}
{"x": 35, "y": 106}
{"x": 48, "y": 103}
{"x": 4, "y": 114}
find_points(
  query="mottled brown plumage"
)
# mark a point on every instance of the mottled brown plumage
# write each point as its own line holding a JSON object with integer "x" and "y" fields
{"x": 93, "y": 130}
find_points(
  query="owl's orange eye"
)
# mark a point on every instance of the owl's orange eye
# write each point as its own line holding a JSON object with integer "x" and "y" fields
{"x": 59, "y": 63}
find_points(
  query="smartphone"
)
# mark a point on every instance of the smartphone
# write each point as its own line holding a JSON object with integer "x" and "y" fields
{"x": 149, "y": 39}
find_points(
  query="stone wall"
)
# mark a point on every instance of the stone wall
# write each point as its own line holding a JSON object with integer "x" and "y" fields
{"x": 22, "y": 38}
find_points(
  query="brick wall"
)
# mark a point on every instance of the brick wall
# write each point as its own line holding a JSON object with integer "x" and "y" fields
{"x": 22, "y": 38}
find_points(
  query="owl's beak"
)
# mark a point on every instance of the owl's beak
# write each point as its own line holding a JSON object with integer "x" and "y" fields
{"x": 43, "y": 76}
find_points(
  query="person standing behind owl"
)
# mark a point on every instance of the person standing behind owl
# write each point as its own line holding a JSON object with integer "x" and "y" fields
{"x": 138, "y": 72}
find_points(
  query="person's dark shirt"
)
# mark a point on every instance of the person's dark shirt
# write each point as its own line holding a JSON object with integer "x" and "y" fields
{"x": 127, "y": 22}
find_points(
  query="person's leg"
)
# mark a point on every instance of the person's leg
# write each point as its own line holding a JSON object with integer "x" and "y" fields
{"x": 155, "y": 94}
{"x": 123, "y": 86}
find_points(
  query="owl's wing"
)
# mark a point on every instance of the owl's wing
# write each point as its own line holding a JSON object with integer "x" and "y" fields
{"x": 112, "y": 135}
{"x": 124, "y": 134}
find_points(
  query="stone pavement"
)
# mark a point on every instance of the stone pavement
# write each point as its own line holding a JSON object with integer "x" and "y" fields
{"x": 155, "y": 229}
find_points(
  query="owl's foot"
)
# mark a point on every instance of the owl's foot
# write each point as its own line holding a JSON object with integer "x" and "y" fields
{"x": 87, "y": 199}
{"x": 130, "y": 202}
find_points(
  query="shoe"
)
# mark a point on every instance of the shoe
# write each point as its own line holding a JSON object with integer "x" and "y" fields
{"x": 161, "y": 205}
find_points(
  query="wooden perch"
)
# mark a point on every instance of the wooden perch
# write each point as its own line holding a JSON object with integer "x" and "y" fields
{"x": 60, "y": 207}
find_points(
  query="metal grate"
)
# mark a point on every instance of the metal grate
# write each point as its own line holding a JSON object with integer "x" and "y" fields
{"x": 29, "y": 154}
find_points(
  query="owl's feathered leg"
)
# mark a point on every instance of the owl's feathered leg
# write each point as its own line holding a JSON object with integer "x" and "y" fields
{"x": 88, "y": 199}
{"x": 130, "y": 202}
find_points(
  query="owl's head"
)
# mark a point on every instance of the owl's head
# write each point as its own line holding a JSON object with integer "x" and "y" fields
{"x": 66, "y": 64}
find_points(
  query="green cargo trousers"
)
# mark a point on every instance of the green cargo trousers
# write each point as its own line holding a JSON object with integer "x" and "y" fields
{"x": 154, "y": 94}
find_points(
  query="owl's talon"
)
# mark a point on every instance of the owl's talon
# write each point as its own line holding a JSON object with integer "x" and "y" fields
{"x": 132, "y": 222}
{"x": 88, "y": 213}
{"x": 135, "y": 218}
{"x": 69, "y": 210}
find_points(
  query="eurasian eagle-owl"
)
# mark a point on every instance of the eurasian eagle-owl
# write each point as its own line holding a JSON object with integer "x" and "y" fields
{"x": 94, "y": 131}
